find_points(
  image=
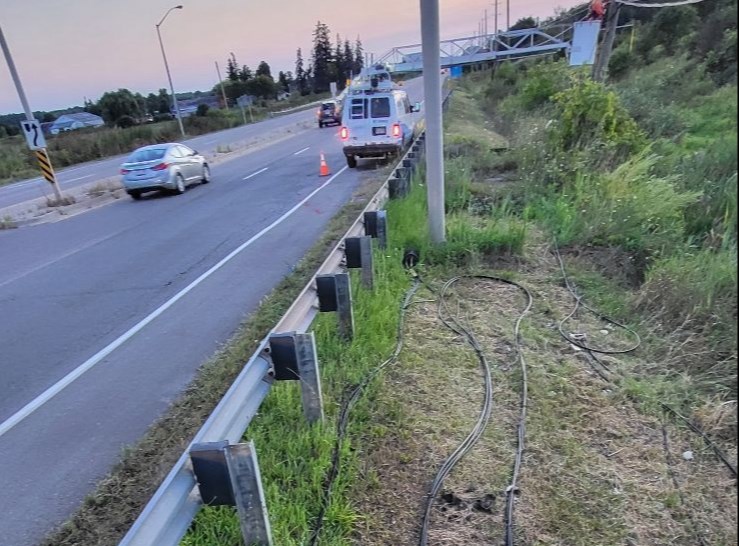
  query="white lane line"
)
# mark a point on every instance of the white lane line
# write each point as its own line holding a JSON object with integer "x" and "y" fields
{"x": 301, "y": 151}
{"x": 78, "y": 178}
{"x": 60, "y": 385}
{"x": 252, "y": 175}
{"x": 24, "y": 184}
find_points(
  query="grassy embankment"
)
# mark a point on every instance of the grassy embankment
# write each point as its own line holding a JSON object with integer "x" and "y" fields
{"x": 66, "y": 149}
{"x": 648, "y": 233}
{"x": 630, "y": 212}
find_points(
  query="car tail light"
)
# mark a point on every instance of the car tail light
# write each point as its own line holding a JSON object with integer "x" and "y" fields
{"x": 344, "y": 133}
{"x": 125, "y": 171}
{"x": 396, "y": 130}
{"x": 160, "y": 167}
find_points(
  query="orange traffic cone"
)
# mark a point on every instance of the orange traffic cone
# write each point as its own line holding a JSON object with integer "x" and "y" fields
{"x": 324, "y": 167}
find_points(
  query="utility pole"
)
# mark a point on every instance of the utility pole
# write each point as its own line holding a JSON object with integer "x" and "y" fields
{"x": 496, "y": 17}
{"x": 41, "y": 154}
{"x": 223, "y": 89}
{"x": 508, "y": 14}
{"x": 430, "y": 36}
{"x": 606, "y": 47}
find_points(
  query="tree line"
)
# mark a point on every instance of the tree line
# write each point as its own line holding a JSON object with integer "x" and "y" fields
{"x": 328, "y": 62}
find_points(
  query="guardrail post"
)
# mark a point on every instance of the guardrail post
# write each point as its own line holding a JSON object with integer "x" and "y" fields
{"x": 294, "y": 358}
{"x": 375, "y": 225}
{"x": 334, "y": 294}
{"x": 229, "y": 475}
{"x": 395, "y": 187}
{"x": 344, "y": 300}
{"x": 358, "y": 253}
{"x": 251, "y": 504}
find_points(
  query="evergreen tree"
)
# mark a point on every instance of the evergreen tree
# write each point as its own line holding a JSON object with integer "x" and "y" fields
{"x": 322, "y": 58}
{"x": 301, "y": 78}
{"x": 358, "y": 56}
{"x": 283, "y": 82}
{"x": 264, "y": 70}
{"x": 348, "y": 59}
{"x": 245, "y": 74}
{"x": 232, "y": 68}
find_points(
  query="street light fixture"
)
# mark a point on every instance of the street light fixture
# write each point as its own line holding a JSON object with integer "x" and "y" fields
{"x": 169, "y": 76}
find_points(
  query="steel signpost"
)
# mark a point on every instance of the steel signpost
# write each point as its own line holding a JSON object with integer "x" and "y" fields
{"x": 31, "y": 127}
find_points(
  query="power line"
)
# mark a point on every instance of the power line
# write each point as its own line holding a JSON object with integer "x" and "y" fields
{"x": 637, "y": 4}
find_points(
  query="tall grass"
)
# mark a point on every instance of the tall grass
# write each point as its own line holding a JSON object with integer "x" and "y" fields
{"x": 630, "y": 208}
{"x": 294, "y": 457}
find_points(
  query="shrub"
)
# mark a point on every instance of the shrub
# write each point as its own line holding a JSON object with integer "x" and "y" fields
{"x": 590, "y": 115}
{"x": 124, "y": 122}
{"x": 542, "y": 83}
{"x": 621, "y": 60}
{"x": 202, "y": 110}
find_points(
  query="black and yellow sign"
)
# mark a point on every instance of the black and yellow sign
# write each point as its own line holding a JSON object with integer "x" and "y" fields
{"x": 45, "y": 163}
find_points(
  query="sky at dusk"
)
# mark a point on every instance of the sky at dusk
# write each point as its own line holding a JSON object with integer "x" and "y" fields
{"x": 66, "y": 50}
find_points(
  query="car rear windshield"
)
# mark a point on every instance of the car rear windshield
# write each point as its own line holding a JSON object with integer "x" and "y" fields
{"x": 148, "y": 154}
{"x": 328, "y": 107}
{"x": 380, "y": 107}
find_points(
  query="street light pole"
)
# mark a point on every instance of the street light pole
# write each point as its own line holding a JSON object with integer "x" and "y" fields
{"x": 434, "y": 127}
{"x": 169, "y": 76}
{"x": 46, "y": 165}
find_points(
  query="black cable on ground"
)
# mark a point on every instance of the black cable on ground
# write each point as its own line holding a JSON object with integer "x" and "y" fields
{"x": 590, "y": 354}
{"x": 579, "y": 303}
{"x": 720, "y": 454}
{"x": 676, "y": 484}
{"x": 346, "y": 407}
{"x": 454, "y": 325}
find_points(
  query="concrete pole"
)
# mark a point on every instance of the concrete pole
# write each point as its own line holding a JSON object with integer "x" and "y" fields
{"x": 24, "y": 101}
{"x": 169, "y": 76}
{"x": 430, "y": 37}
{"x": 223, "y": 89}
{"x": 508, "y": 14}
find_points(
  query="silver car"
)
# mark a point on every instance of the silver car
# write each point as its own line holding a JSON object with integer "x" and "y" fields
{"x": 165, "y": 167}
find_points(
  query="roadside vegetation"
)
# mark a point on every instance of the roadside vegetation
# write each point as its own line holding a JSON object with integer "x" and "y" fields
{"x": 132, "y": 120}
{"x": 634, "y": 183}
{"x": 82, "y": 145}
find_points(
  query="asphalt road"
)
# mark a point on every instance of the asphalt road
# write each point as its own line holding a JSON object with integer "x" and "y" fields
{"x": 85, "y": 173}
{"x": 107, "y": 316}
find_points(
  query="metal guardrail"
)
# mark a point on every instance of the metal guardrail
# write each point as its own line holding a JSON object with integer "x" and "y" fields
{"x": 167, "y": 516}
{"x": 295, "y": 109}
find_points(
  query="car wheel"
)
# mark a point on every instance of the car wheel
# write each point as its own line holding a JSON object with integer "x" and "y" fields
{"x": 351, "y": 161}
{"x": 320, "y": 125}
{"x": 135, "y": 194}
{"x": 206, "y": 175}
{"x": 179, "y": 184}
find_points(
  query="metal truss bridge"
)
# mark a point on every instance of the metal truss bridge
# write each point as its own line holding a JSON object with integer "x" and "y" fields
{"x": 480, "y": 49}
